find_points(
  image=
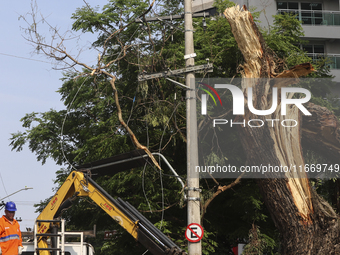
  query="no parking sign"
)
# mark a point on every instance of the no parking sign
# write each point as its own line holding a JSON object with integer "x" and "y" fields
{"x": 194, "y": 233}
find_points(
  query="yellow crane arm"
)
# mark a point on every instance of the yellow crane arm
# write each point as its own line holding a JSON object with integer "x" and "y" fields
{"x": 78, "y": 184}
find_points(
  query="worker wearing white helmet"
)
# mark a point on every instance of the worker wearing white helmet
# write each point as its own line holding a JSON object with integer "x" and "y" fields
{"x": 10, "y": 234}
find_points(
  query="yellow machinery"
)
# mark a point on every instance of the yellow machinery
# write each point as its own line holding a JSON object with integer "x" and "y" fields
{"x": 79, "y": 184}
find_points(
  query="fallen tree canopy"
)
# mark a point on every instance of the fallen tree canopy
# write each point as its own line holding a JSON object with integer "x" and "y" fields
{"x": 307, "y": 224}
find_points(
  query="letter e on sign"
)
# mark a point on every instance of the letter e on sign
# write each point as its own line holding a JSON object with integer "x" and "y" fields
{"x": 194, "y": 233}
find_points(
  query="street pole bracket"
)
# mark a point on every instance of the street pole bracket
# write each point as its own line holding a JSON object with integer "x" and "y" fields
{"x": 193, "y": 189}
{"x": 193, "y": 199}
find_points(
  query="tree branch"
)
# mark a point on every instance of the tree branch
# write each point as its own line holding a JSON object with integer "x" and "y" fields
{"x": 220, "y": 189}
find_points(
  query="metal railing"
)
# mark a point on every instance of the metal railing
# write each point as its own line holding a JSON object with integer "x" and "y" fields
{"x": 333, "y": 60}
{"x": 317, "y": 18}
{"x": 60, "y": 244}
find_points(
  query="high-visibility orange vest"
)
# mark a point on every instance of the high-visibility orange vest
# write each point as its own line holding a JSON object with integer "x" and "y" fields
{"x": 10, "y": 236}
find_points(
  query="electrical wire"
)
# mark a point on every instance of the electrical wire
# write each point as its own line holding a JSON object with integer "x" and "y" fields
{"x": 147, "y": 130}
{"x": 68, "y": 110}
{"x": 160, "y": 171}
{"x": 62, "y": 127}
{"x": 13, "y": 56}
{"x": 133, "y": 102}
{"x": 3, "y": 184}
{"x": 139, "y": 69}
{"x": 134, "y": 98}
{"x": 160, "y": 143}
{"x": 162, "y": 190}
{"x": 143, "y": 187}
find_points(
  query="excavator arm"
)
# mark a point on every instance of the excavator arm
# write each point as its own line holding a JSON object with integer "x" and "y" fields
{"x": 78, "y": 184}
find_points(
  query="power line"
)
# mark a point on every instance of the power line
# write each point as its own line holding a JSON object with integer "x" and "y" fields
{"x": 37, "y": 60}
{"x": 28, "y": 203}
{"x": 62, "y": 127}
{"x": 3, "y": 184}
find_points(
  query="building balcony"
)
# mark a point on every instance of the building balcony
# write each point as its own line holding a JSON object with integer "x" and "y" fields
{"x": 315, "y": 18}
{"x": 333, "y": 60}
{"x": 314, "y": 21}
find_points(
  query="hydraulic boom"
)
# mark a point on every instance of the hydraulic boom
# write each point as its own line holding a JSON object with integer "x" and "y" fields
{"x": 78, "y": 184}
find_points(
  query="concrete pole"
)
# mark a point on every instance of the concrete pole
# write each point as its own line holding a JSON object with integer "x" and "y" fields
{"x": 192, "y": 151}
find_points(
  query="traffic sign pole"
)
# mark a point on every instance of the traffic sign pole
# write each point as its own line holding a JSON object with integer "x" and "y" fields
{"x": 192, "y": 144}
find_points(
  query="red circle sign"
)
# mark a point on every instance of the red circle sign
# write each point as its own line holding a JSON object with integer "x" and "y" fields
{"x": 194, "y": 233}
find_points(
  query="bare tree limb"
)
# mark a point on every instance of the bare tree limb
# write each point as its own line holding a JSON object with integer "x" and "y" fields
{"x": 220, "y": 189}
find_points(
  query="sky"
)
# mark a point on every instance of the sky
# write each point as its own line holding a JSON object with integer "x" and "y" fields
{"x": 29, "y": 84}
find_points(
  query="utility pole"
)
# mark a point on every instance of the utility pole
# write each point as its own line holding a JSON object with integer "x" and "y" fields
{"x": 192, "y": 144}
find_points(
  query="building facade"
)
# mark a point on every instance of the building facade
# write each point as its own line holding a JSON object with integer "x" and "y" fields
{"x": 320, "y": 22}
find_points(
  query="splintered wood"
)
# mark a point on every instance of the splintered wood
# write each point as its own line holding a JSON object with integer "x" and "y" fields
{"x": 284, "y": 142}
{"x": 247, "y": 41}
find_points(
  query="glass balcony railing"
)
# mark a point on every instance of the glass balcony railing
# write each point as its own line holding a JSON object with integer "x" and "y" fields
{"x": 325, "y": 18}
{"x": 333, "y": 60}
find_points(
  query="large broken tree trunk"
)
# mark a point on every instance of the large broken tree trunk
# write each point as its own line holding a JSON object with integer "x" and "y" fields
{"x": 308, "y": 225}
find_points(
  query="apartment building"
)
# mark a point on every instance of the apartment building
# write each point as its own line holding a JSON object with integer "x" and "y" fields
{"x": 320, "y": 22}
